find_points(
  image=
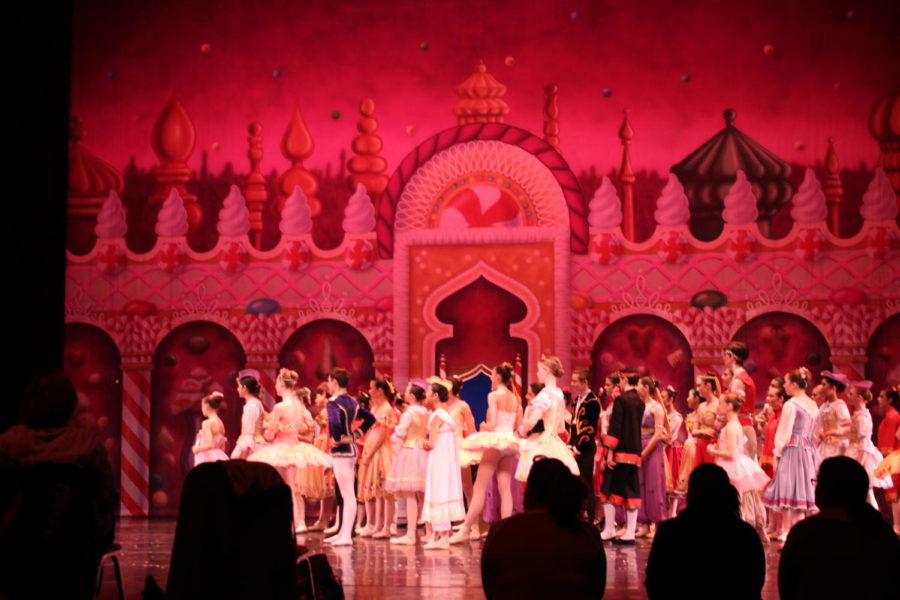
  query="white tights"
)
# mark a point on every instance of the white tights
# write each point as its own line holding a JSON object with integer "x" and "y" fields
{"x": 344, "y": 476}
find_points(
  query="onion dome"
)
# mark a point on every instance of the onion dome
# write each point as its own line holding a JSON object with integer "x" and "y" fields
{"x": 481, "y": 98}
{"x": 884, "y": 125}
{"x": 89, "y": 176}
{"x": 708, "y": 173}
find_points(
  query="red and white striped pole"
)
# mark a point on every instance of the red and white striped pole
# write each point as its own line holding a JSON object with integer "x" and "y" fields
{"x": 135, "y": 474}
{"x": 268, "y": 371}
{"x": 442, "y": 368}
{"x": 518, "y": 377}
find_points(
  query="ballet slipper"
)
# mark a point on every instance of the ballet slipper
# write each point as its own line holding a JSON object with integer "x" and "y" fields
{"x": 301, "y": 529}
{"x": 339, "y": 541}
{"x": 404, "y": 540}
{"x": 475, "y": 534}
{"x": 381, "y": 535}
{"x": 332, "y": 530}
{"x": 393, "y": 530}
{"x": 440, "y": 544}
{"x": 365, "y": 532}
{"x": 643, "y": 531}
{"x": 316, "y": 527}
{"x": 460, "y": 537}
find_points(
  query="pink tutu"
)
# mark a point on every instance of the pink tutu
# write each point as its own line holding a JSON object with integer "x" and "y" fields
{"x": 407, "y": 472}
{"x": 745, "y": 474}
{"x": 206, "y": 456}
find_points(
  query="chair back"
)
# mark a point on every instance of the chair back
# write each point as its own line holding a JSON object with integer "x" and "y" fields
{"x": 48, "y": 542}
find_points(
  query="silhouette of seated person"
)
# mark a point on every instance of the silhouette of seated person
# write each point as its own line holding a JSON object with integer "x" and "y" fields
{"x": 845, "y": 551}
{"x": 548, "y": 551}
{"x": 58, "y": 499}
{"x": 234, "y": 536}
{"x": 707, "y": 550}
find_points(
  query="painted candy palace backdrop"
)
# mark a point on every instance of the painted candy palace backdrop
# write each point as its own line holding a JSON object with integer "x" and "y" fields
{"x": 414, "y": 188}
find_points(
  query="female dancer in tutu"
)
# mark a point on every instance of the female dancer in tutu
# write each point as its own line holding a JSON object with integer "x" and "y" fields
{"x": 498, "y": 447}
{"x": 792, "y": 490}
{"x": 287, "y": 453}
{"x": 745, "y": 474}
{"x": 407, "y": 476}
{"x": 443, "y": 487}
{"x": 375, "y": 461}
{"x": 860, "y": 446}
{"x": 546, "y": 406}
{"x": 210, "y": 443}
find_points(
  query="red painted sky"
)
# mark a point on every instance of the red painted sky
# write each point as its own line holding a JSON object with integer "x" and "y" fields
{"x": 332, "y": 54}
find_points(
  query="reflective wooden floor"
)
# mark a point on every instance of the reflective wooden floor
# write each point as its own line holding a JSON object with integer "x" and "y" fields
{"x": 375, "y": 569}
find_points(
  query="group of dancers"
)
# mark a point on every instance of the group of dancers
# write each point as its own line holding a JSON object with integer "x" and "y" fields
{"x": 413, "y": 452}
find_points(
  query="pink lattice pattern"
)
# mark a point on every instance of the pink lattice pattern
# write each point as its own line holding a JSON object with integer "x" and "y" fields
{"x": 207, "y": 283}
{"x": 678, "y": 282}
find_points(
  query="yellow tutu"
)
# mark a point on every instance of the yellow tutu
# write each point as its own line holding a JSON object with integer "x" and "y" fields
{"x": 889, "y": 466}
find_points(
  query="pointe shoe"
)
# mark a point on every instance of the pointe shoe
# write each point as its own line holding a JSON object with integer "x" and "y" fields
{"x": 460, "y": 537}
{"x": 441, "y": 544}
{"x": 403, "y": 540}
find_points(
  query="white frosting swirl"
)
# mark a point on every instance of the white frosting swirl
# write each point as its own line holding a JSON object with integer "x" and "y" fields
{"x": 359, "y": 216}
{"x": 740, "y": 203}
{"x": 605, "y": 208}
{"x": 880, "y": 201}
{"x": 672, "y": 207}
{"x": 809, "y": 201}
{"x": 172, "y": 220}
{"x": 296, "y": 216}
{"x": 234, "y": 218}
{"x": 111, "y": 220}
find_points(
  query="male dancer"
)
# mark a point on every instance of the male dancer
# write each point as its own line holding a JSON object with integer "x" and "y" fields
{"x": 734, "y": 355}
{"x": 342, "y": 411}
{"x": 621, "y": 484}
{"x": 583, "y": 430}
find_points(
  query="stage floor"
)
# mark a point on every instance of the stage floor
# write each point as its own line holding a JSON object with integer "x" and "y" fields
{"x": 375, "y": 569}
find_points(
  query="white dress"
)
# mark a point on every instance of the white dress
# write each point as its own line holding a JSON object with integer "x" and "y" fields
{"x": 548, "y": 443}
{"x": 443, "y": 484}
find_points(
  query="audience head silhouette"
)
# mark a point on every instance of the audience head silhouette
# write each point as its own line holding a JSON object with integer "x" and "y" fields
{"x": 710, "y": 491}
{"x": 49, "y": 401}
{"x": 842, "y": 482}
{"x": 552, "y": 486}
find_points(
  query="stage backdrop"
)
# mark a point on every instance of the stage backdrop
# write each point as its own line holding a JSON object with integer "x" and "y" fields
{"x": 411, "y": 188}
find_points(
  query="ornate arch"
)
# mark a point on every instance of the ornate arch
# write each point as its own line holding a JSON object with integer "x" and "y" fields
{"x": 525, "y": 329}
{"x": 406, "y": 179}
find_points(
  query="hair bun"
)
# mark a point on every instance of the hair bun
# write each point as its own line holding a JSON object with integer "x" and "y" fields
{"x": 804, "y": 373}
